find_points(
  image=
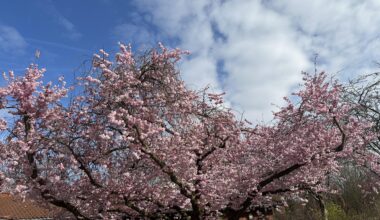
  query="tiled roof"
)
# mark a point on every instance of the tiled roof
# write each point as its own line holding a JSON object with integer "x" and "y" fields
{"x": 12, "y": 207}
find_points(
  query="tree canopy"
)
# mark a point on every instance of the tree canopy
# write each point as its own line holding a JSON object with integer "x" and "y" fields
{"x": 138, "y": 144}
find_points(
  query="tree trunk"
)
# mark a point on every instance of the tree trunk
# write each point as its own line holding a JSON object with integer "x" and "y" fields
{"x": 321, "y": 204}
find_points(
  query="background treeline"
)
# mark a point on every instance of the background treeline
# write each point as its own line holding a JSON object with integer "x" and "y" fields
{"x": 356, "y": 199}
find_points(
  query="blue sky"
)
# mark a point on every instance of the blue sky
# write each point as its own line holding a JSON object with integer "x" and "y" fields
{"x": 66, "y": 32}
{"x": 254, "y": 50}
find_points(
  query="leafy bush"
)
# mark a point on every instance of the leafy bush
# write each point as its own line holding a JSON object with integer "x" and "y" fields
{"x": 335, "y": 212}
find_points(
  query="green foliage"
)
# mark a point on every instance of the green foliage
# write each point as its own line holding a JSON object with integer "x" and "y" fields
{"x": 335, "y": 212}
{"x": 355, "y": 201}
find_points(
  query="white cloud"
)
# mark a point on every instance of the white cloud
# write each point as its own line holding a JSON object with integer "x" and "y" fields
{"x": 262, "y": 46}
{"x": 60, "y": 19}
{"x": 133, "y": 33}
{"x": 344, "y": 33}
{"x": 11, "y": 41}
{"x": 200, "y": 71}
{"x": 64, "y": 22}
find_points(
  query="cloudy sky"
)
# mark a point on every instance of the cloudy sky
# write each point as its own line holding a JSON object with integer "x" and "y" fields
{"x": 253, "y": 50}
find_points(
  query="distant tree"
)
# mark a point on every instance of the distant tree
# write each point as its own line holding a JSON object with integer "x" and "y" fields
{"x": 139, "y": 144}
{"x": 364, "y": 92}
